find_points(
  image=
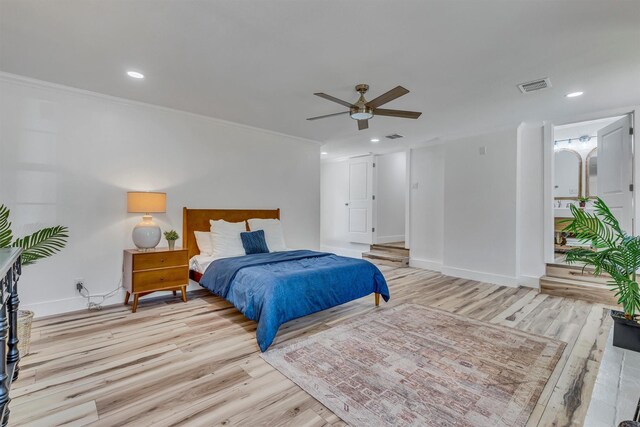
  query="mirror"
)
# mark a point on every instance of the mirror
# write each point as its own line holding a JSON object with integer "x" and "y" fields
{"x": 592, "y": 173}
{"x": 567, "y": 174}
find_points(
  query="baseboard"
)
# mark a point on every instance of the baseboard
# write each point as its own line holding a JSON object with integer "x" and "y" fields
{"x": 78, "y": 303}
{"x": 66, "y": 305}
{"x": 348, "y": 252}
{"x": 529, "y": 282}
{"x": 389, "y": 239}
{"x": 425, "y": 264}
{"x": 480, "y": 276}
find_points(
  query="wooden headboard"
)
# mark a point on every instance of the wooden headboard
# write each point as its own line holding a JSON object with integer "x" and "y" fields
{"x": 198, "y": 220}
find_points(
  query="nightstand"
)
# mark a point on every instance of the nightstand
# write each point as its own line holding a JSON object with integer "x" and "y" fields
{"x": 159, "y": 269}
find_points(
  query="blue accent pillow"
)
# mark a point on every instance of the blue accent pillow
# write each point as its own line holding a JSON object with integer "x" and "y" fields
{"x": 254, "y": 242}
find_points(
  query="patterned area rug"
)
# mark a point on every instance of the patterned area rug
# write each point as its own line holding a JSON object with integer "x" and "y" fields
{"x": 413, "y": 365}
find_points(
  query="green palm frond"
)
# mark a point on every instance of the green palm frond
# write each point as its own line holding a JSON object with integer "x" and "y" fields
{"x": 5, "y": 227}
{"x": 588, "y": 228}
{"x": 615, "y": 252}
{"x": 43, "y": 243}
{"x": 603, "y": 211}
{"x": 628, "y": 295}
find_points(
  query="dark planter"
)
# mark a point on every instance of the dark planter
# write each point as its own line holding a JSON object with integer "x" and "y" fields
{"x": 626, "y": 333}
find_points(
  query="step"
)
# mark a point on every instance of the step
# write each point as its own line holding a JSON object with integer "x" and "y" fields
{"x": 400, "y": 245}
{"x": 386, "y": 258}
{"x": 381, "y": 247}
{"x": 576, "y": 272}
{"x": 578, "y": 289}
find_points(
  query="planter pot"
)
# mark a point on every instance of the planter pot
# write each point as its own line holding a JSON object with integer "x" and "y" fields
{"x": 172, "y": 244}
{"x": 25, "y": 318}
{"x": 626, "y": 333}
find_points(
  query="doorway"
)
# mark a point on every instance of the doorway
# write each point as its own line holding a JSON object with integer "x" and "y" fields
{"x": 591, "y": 159}
{"x": 391, "y": 178}
{"x": 377, "y": 193}
{"x": 376, "y": 208}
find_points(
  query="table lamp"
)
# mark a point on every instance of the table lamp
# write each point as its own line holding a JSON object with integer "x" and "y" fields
{"x": 146, "y": 235}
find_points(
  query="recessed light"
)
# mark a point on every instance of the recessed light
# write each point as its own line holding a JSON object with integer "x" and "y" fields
{"x": 135, "y": 75}
{"x": 375, "y": 140}
{"x": 573, "y": 94}
{"x": 324, "y": 153}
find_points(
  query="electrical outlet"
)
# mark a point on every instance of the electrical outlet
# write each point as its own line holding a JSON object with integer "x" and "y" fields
{"x": 79, "y": 284}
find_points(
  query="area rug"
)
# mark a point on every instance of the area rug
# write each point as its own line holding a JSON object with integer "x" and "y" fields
{"x": 413, "y": 365}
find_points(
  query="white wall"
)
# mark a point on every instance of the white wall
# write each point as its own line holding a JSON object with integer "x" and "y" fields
{"x": 480, "y": 206}
{"x": 391, "y": 170}
{"x": 530, "y": 229}
{"x": 69, "y": 157}
{"x": 480, "y": 216}
{"x": 427, "y": 207}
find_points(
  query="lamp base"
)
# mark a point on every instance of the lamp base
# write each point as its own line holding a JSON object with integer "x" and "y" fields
{"x": 146, "y": 235}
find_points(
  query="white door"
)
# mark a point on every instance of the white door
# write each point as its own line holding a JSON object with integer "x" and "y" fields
{"x": 360, "y": 204}
{"x": 615, "y": 170}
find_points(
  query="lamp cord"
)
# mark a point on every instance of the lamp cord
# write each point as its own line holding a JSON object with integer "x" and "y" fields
{"x": 97, "y": 305}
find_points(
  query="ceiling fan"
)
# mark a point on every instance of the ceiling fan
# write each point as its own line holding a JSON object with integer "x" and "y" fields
{"x": 362, "y": 110}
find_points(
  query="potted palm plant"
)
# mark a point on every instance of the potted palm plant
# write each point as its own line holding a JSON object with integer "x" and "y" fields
{"x": 41, "y": 244}
{"x": 617, "y": 254}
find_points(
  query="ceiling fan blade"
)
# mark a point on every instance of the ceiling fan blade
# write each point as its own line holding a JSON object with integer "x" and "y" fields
{"x": 327, "y": 115}
{"x": 397, "y": 113}
{"x": 334, "y": 99}
{"x": 394, "y": 93}
{"x": 363, "y": 124}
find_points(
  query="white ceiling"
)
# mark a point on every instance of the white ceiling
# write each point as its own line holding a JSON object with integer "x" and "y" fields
{"x": 259, "y": 62}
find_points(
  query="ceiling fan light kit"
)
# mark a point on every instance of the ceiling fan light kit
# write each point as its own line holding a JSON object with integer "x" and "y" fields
{"x": 362, "y": 113}
{"x": 362, "y": 110}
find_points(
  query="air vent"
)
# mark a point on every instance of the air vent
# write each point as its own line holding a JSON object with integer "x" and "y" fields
{"x": 534, "y": 85}
{"x": 394, "y": 136}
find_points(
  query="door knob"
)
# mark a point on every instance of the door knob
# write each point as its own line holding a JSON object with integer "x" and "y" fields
{"x": 346, "y": 204}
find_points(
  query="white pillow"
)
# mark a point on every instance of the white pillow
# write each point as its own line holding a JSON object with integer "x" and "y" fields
{"x": 225, "y": 237}
{"x": 203, "y": 240}
{"x": 272, "y": 233}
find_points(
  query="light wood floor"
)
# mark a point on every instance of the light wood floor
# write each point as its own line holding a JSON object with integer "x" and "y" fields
{"x": 198, "y": 364}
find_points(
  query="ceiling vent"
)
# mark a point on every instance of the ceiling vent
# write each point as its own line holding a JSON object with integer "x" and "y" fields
{"x": 394, "y": 136}
{"x": 534, "y": 85}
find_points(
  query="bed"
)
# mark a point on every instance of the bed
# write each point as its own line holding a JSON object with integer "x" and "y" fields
{"x": 276, "y": 287}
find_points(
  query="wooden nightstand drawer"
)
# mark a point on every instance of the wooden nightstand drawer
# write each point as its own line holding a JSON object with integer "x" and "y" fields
{"x": 160, "y": 269}
{"x": 149, "y": 260}
{"x": 160, "y": 278}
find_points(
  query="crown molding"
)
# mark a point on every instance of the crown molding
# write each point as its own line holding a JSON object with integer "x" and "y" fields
{"x": 34, "y": 83}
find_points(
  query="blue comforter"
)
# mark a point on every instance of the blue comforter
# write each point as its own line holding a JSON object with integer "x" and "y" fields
{"x": 273, "y": 288}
